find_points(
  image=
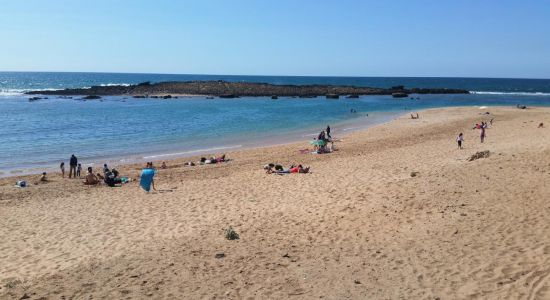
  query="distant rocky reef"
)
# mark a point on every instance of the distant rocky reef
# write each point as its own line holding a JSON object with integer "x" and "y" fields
{"x": 224, "y": 89}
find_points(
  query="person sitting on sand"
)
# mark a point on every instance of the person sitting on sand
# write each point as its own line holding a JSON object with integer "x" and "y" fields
{"x": 163, "y": 166}
{"x": 90, "y": 178}
{"x": 43, "y": 177}
{"x": 322, "y": 136}
{"x": 111, "y": 178}
{"x": 541, "y": 125}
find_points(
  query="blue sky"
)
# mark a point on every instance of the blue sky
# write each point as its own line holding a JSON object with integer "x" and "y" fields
{"x": 469, "y": 38}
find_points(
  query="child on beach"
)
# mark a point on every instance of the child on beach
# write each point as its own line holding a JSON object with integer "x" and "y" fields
{"x": 459, "y": 140}
{"x": 78, "y": 169}
{"x": 62, "y": 167}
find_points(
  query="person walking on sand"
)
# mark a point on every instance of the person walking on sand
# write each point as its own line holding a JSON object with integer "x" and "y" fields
{"x": 73, "y": 163}
{"x": 459, "y": 140}
{"x": 328, "y": 132}
{"x": 482, "y": 134}
{"x": 62, "y": 168}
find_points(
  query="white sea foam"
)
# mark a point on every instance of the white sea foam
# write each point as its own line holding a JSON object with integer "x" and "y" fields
{"x": 192, "y": 152}
{"x": 511, "y": 93}
{"x": 11, "y": 92}
{"x": 20, "y": 92}
{"x": 115, "y": 84}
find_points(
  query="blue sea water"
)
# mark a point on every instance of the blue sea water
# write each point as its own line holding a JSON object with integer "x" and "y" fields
{"x": 38, "y": 135}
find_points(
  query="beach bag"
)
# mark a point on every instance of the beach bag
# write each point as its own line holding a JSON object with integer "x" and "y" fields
{"x": 21, "y": 183}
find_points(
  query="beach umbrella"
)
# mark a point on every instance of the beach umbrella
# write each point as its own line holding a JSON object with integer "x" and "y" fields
{"x": 318, "y": 142}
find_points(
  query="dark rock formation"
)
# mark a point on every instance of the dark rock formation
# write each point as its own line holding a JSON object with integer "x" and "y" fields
{"x": 332, "y": 96}
{"x": 91, "y": 97}
{"x": 229, "y": 96}
{"x": 479, "y": 154}
{"x": 274, "y": 97}
{"x": 400, "y": 95}
{"x": 225, "y": 89}
{"x": 353, "y": 96}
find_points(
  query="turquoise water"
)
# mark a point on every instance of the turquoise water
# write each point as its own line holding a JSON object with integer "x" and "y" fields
{"x": 38, "y": 135}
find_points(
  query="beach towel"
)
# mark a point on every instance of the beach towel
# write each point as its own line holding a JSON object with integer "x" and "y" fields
{"x": 146, "y": 179}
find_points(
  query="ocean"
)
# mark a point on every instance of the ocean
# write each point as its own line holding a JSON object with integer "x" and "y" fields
{"x": 38, "y": 135}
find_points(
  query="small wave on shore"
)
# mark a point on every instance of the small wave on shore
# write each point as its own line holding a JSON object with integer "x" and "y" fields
{"x": 190, "y": 152}
{"x": 20, "y": 92}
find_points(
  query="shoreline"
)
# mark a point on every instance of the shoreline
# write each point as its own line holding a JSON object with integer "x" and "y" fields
{"x": 291, "y": 137}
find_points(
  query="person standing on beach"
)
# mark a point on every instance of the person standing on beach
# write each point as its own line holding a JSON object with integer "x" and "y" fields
{"x": 73, "y": 163}
{"x": 328, "y": 132}
{"x": 78, "y": 169}
{"x": 62, "y": 168}
{"x": 482, "y": 134}
{"x": 459, "y": 140}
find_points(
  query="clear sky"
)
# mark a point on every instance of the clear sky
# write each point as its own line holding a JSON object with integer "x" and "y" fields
{"x": 470, "y": 38}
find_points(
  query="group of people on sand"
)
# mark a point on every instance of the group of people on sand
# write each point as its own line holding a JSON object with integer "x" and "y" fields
{"x": 110, "y": 177}
{"x": 415, "y": 117}
{"x": 482, "y": 134}
{"x": 207, "y": 161}
{"x": 278, "y": 169}
{"x": 74, "y": 167}
{"x": 323, "y": 146}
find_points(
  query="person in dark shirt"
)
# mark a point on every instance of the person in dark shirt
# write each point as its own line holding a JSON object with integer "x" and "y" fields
{"x": 328, "y": 132}
{"x": 72, "y": 166}
{"x": 321, "y": 136}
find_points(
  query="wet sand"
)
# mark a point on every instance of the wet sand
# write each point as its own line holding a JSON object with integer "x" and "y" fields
{"x": 397, "y": 212}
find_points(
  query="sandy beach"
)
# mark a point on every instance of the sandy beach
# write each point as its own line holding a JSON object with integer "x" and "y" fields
{"x": 398, "y": 212}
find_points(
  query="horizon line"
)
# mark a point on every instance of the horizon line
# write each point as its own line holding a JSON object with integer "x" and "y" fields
{"x": 249, "y": 75}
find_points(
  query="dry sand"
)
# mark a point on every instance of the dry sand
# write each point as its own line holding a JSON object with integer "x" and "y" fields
{"x": 359, "y": 226}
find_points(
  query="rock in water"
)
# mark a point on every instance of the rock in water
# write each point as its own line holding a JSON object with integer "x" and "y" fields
{"x": 91, "y": 97}
{"x": 400, "y": 95}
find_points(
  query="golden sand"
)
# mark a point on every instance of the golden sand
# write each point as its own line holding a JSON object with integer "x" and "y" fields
{"x": 359, "y": 226}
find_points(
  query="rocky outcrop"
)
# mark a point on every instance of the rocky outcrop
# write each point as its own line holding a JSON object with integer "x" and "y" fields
{"x": 479, "y": 154}
{"x": 224, "y": 89}
{"x": 91, "y": 97}
{"x": 400, "y": 95}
